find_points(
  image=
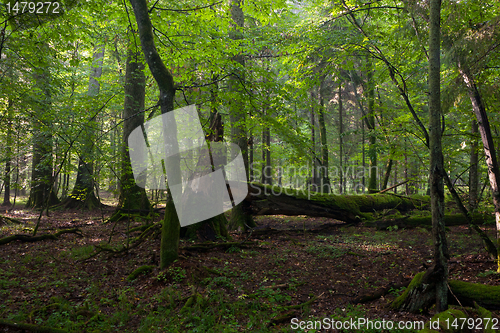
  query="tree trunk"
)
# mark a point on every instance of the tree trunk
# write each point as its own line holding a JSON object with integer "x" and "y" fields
{"x": 388, "y": 169}
{"x": 266, "y": 177}
{"x": 41, "y": 193}
{"x": 165, "y": 81}
{"x": 370, "y": 124}
{"x": 473, "y": 169}
{"x": 82, "y": 196}
{"x": 131, "y": 195}
{"x": 314, "y": 176}
{"x": 488, "y": 144}
{"x": 214, "y": 227}
{"x": 348, "y": 208}
{"x": 8, "y": 155}
{"x": 441, "y": 255}
{"x": 240, "y": 219}
{"x": 341, "y": 140}
{"x": 323, "y": 175}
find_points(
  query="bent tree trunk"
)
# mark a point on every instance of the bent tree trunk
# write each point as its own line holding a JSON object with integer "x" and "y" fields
{"x": 132, "y": 196}
{"x": 165, "y": 80}
{"x": 488, "y": 144}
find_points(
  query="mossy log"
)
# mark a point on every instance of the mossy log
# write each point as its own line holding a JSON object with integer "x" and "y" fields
{"x": 274, "y": 200}
{"x": 419, "y": 296}
{"x": 146, "y": 269}
{"x": 467, "y": 293}
{"x": 28, "y": 238}
{"x": 419, "y": 221}
{"x": 4, "y": 220}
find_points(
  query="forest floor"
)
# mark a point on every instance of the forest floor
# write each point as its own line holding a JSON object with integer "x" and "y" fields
{"x": 287, "y": 262}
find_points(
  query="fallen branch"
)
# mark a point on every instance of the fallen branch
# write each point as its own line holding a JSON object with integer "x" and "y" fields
{"x": 28, "y": 238}
{"x": 417, "y": 221}
{"x": 7, "y": 220}
{"x": 31, "y": 327}
{"x": 394, "y": 186}
{"x": 379, "y": 292}
{"x": 208, "y": 246}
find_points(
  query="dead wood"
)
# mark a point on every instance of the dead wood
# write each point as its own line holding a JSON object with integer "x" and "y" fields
{"x": 419, "y": 221}
{"x": 269, "y": 200}
{"x": 28, "y": 238}
{"x": 30, "y": 327}
{"x": 368, "y": 297}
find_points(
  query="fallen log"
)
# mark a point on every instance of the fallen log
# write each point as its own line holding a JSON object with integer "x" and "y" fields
{"x": 30, "y": 327}
{"x": 28, "y": 238}
{"x": 467, "y": 293}
{"x": 5, "y": 220}
{"x": 419, "y": 221}
{"x": 274, "y": 200}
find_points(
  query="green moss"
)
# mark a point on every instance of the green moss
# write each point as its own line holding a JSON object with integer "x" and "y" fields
{"x": 482, "y": 294}
{"x": 141, "y": 270}
{"x": 483, "y": 313}
{"x": 447, "y": 317}
{"x": 398, "y": 302}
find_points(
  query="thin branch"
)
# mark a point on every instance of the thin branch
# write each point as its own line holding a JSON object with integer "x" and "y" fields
{"x": 184, "y": 10}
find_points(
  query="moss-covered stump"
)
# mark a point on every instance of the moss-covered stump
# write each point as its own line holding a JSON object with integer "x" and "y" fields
{"x": 274, "y": 200}
{"x": 408, "y": 300}
{"x": 419, "y": 296}
{"x": 421, "y": 292}
{"x": 418, "y": 221}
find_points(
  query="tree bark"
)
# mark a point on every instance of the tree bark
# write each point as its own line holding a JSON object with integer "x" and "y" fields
{"x": 240, "y": 219}
{"x": 165, "y": 81}
{"x": 370, "y": 124}
{"x": 216, "y": 226}
{"x": 341, "y": 140}
{"x": 323, "y": 174}
{"x": 473, "y": 170}
{"x": 8, "y": 155}
{"x": 131, "y": 195}
{"x": 82, "y": 196}
{"x": 488, "y": 144}
{"x": 439, "y": 273}
{"x": 265, "y": 200}
{"x": 41, "y": 192}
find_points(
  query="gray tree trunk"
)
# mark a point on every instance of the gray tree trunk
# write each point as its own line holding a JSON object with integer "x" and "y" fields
{"x": 323, "y": 175}
{"x": 82, "y": 196}
{"x": 240, "y": 217}
{"x": 41, "y": 192}
{"x": 131, "y": 195}
{"x": 488, "y": 144}
{"x": 473, "y": 170}
{"x": 441, "y": 255}
{"x": 170, "y": 230}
